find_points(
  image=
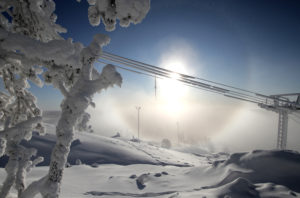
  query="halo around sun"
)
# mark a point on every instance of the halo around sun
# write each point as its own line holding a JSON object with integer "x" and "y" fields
{"x": 171, "y": 91}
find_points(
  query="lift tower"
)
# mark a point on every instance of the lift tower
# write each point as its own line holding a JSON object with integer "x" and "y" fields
{"x": 283, "y": 105}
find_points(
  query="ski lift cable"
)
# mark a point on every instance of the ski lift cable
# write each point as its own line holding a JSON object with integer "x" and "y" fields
{"x": 126, "y": 69}
{"x": 170, "y": 72}
{"x": 206, "y": 86}
{"x": 188, "y": 76}
{"x": 239, "y": 98}
{"x": 163, "y": 74}
{"x": 194, "y": 85}
{"x": 134, "y": 65}
{"x": 114, "y": 57}
{"x": 159, "y": 77}
{"x": 145, "y": 64}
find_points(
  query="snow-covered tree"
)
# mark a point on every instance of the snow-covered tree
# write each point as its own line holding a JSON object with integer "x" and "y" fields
{"x": 166, "y": 143}
{"x": 30, "y": 45}
{"x": 19, "y": 117}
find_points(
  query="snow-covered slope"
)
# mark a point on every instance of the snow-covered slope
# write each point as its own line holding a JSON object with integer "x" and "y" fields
{"x": 120, "y": 168}
{"x": 248, "y": 175}
{"x": 205, "y": 180}
{"x": 93, "y": 149}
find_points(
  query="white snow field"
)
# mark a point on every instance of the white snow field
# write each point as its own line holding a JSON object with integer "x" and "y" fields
{"x": 114, "y": 167}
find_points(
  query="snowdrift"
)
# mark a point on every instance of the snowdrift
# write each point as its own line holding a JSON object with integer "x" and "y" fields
{"x": 278, "y": 167}
{"x": 255, "y": 174}
{"x": 141, "y": 169}
{"x": 272, "y": 174}
{"x": 92, "y": 149}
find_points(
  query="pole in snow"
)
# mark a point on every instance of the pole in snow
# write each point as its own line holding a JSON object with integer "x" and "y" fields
{"x": 138, "y": 108}
{"x": 155, "y": 87}
{"x": 178, "y": 138}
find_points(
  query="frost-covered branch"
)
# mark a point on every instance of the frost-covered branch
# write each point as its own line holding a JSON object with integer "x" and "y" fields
{"x": 2, "y": 146}
{"x": 109, "y": 11}
{"x": 19, "y": 157}
{"x": 82, "y": 123}
{"x": 24, "y": 166}
{"x": 62, "y": 89}
{"x": 33, "y": 18}
{"x": 59, "y": 52}
{"x": 107, "y": 76}
{"x": 22, "y": 126}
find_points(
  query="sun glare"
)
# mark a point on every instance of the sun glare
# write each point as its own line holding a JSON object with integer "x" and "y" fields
{"x": 171, "y": 90}
{"x": 175, "y": 76}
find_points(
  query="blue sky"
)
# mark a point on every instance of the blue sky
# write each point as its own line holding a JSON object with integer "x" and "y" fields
{"x": 251, "y": 44}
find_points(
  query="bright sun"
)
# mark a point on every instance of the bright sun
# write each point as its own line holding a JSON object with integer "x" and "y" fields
{"x": 171, "y": 91}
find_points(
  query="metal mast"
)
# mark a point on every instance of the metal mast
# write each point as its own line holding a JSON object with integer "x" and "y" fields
{"x": 282, "y": 129}
{"x": 282, "y": 106}
{"x": 138, "y": 108}
{"x": 155, "y": 86}
{"x": 178, "y": 135}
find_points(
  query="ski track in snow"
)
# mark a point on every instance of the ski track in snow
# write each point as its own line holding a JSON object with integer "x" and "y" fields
{"x": 95, "y": 193}
{"x": 145, "y": 149}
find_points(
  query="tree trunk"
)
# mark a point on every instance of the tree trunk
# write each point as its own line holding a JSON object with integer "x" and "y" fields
{"x": 72, "y": 108}
{"x": 11, "y": 169}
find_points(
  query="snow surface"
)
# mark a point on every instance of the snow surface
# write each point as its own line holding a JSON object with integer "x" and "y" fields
{"x": 113, "y": 167}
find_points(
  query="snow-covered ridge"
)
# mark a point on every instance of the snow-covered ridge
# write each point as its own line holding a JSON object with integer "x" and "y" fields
{"x": 130, "y": 169}
{"x": 277, "y": 166}
{"x": 93, "y": 149}
{"x": 235, "y": 177}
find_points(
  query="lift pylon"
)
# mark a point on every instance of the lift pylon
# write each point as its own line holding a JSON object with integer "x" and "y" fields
{"x": 282, "y": 129}
{"x": 282, "y": 105}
